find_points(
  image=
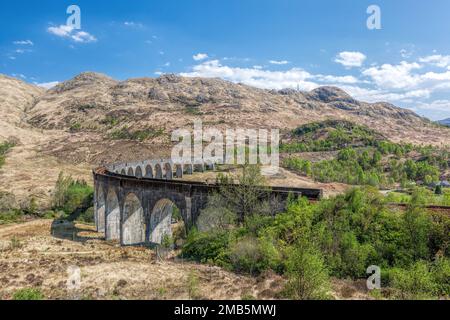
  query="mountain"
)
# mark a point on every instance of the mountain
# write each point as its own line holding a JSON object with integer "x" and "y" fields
{"x": 90, "y": 100}
{"x": 445, "y": 122}
{"x": 93, "y": 119}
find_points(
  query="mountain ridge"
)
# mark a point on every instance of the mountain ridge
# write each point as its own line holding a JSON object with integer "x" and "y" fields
{"x": 93, "y": 119}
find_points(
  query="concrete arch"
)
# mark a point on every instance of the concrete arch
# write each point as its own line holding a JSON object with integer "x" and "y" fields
{"x": 133, "y": 227}
{"x": 112, "y": 216}
{"x": 123, "y": 172}
{"x": 100, "y": 210}
{"x": 158, "y": 171}
{"x": 161, "y": 221}
{"x": 138, "y": 172}
{"x": 148, "y": 171}
{"x": 179, "y": 171}
{"x": 130, "y": 171}
{"x": 168, "y": 170}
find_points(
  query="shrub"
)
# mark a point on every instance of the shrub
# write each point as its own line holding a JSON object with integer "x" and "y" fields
{"x": 192, "y": 284}
{"x": 207, "y": 247}
{"x": 415, "y": 282}
{"x": 441, "y": 274}
{"x": 5, "y": 147}
{"x": 70, "y": 195}
{"x": 140, "y": 135}
{"x": 87, "y": 216}
{"x": 307, "y": 275}
{"x": 246, "y": 256}
{"x": 28, "y": 294}
{"x": 215, "y": 216}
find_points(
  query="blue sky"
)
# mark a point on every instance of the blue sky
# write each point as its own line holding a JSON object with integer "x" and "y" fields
{"x": 268, "y": 44}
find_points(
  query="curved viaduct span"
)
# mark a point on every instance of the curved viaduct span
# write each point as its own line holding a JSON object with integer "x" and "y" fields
{"x": 134, "y": 201}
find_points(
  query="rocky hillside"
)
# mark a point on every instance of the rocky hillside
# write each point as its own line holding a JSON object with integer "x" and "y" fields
{"x": 94, "y": 119}
{"x": 92, "y": 99}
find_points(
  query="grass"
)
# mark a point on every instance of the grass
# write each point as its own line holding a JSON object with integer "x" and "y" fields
{"x": 28, "y": 294}
{"x": 5, "y": 147}
{"x": 140, "y": 135}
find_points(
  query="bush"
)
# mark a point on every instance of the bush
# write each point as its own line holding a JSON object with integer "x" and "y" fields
{"x": 307, "y": 275}
{"x": 246, "y": 256}
{"x": 5, "y": 147}
{"x": 215, "y": 216}
{"x": 441, "y": 275}
{"x": 415, "y": 282}
{"x": 28, "y": 294}
{"x": 207, "y": 247}
{"x": 87, "y": 216}
{"x": 70, "y": 195}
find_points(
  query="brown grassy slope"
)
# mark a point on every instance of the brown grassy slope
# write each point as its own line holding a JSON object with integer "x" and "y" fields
{"x": 69, "y": 127}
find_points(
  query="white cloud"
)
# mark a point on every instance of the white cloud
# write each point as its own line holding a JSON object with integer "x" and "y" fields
{"x": 336, "y": 79}
{"x": 48, "y": 85}
{"x": 437, "y": 60}
{"x": 24, "y": 42}
{"x": 394, "y": 76}
{"x": 413, "y": 85}
{"x": 279, "y": 62}
{"x": 254, "y": 77}
{"x": 83, "y": 37}
{"x": 65, "y": 31}
{"x": 350, "y": 59}
{"x": 133, "y": 24}
{"x": 200, "y": 56}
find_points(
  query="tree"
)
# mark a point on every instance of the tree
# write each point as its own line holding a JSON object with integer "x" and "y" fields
{"x": 245, "y": 196}
{"x": 307, "y": 275}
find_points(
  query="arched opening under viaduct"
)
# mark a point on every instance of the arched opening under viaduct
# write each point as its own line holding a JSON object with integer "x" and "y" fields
{"x": 138, "y": 172}
{"x": 130, "y": 172}
{"x": 112, "y": 216}
{"x": 168, "y": 170}
{"x": 165, "y": 221}
{"x": 149, "y": 171}
{"x": 158, "y": 172}
{"x": 133, "y": 228}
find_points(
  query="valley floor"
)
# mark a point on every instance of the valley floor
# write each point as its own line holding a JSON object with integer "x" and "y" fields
{"x": 31, "y": 257}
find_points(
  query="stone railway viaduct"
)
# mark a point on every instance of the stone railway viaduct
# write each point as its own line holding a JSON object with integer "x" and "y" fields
{"x": 134, "y": 201}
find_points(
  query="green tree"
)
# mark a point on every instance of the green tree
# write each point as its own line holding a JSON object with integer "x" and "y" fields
{"x": 244, "y": 196}
{"x": 307, "y": 275}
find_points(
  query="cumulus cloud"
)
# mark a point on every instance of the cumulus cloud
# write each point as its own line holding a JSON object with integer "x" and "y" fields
{"x": 394, "y": 76}
{"x": 265, "y": 79}
{"x": 65, "y": 31}
{"x": 409, "y": 84}
{"x": 437, "y": 60}
{"x": 350, "y": 59}
{"x": 200, "y": 56}
{"x": 278, "y": 62}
